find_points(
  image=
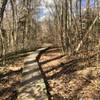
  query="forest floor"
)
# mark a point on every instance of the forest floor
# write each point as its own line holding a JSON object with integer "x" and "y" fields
{"x": 10, "y": 76}
{"x": 71, "y": 78}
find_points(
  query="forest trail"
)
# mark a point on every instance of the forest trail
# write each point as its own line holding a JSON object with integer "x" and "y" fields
{"x": 32, "y": 85}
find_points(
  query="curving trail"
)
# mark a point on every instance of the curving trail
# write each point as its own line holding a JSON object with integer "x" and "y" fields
{"x": 32, "y": 85}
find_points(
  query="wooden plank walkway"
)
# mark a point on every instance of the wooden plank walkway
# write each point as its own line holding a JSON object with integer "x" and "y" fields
{"x": 32, "y": 85}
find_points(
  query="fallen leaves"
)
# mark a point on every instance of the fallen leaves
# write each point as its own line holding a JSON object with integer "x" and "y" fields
{"x": 10, "y": 80}
{"x": 77, "y": 82}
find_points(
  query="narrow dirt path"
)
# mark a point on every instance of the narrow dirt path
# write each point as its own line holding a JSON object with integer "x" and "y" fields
{"x": 32, "y": 85}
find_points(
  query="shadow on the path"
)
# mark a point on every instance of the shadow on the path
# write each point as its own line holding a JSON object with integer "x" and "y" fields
{"x": 31, "y": 71}
{"x": 28, "y": 75}
{"x": 29, "y": 62}
{"x": 32, "y": 79}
